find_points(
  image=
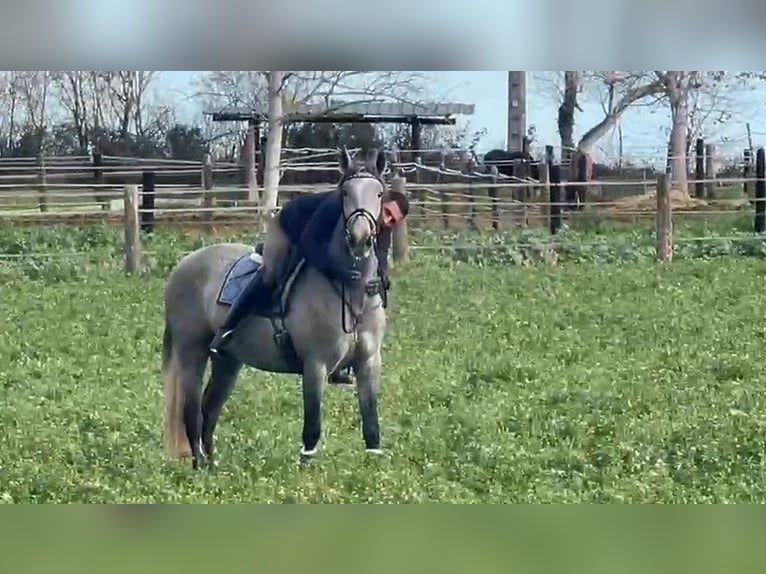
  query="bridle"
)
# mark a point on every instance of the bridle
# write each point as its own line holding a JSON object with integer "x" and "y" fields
{"x": 349, "y": 218}
{"x": 372, "y": 221}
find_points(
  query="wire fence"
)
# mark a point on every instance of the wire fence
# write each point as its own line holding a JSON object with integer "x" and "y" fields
{"x": 452, "y": 195}
{"x": 428, "y": 204}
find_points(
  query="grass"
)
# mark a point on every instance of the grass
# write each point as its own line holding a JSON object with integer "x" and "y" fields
{"x": 588, "y": 382}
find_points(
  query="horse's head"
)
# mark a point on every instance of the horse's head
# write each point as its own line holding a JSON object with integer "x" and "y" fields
{"x": 361, "y": 188}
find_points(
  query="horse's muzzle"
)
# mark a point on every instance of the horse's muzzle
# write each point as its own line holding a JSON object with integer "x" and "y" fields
{"x": 360, "y": 233}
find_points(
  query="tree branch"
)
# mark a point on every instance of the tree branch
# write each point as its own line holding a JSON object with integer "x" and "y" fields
{"x": 631, "y": 96}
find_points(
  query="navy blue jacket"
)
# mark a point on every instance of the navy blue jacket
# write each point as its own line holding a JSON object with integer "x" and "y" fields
{"x": 309, "y": 222}
{"x": 295, "y": 216}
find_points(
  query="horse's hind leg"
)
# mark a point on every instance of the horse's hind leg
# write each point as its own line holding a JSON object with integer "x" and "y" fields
{"x": 223, "y": 376}
{"x": 192, "y": 373}
{"x": 367, "y": 384}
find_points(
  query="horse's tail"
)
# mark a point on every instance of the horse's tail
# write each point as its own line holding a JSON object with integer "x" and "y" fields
{"x": 176, "y": 443}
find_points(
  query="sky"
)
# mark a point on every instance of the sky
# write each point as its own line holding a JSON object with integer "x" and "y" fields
{"x": 644, "y": 129}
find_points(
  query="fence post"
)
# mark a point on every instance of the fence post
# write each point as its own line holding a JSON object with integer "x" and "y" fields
{"x": 710, "y": 171}
{"x": 545, "y": 187}
{"x": 207, "y": 186}
{"x": 582, "y": 179}
{"x": 248, "y": 165}
{"x": 470, "y": 188}
{"x": 422, "y": 196}
{"x": 399, "y": 236}
{"x": 42, "y": 199}
{"x": 549, "y": 154}
{"x": 147, "y": 201}
{"x": 664, "y": 220}
{"x": 699, "y": 169}
{"x": 494, "y": 197}
{"x": 444, "y": 195}
{"x": 760, "y": 190}
{"x": 554, "y": 196}
{"x": 747, "y": 171}
{"x": 98, "y": 179}
{"x": 571, "y": 188}
{"x": 131, "y": 224}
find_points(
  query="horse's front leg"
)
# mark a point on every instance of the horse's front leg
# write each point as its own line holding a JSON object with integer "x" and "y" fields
{"x": 314, "y": 374}
{"x": 367, "y": 385}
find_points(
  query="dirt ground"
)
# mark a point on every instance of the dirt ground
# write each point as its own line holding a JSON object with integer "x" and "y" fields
{"x": 648, "y": 201}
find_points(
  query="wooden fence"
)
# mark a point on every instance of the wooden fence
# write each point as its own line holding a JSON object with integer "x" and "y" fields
{"x": 450, "y": 195}
{"x": 550, "y": 186}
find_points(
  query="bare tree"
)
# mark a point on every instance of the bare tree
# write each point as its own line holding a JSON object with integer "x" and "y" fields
{"x": 219, "y": 90}
{"x": 677, "y": 86}
{"x": 128, "y": 91}
{"x": 708, "y": 107}
{"x": 695, "y": 100}
{"x": 72, "y": 91}
{"x": 98, "y": 83}
{"x": 621, "y": 91}
{"x": 273, "y": 150}
{"x": 684, "y": 91}
{"x": 566, "y": 117}
{"x": 337, "y": 89}
{"x": 33, "y": 92}
{"x": 332, "y": 90}
{"x": 115, "y": 101}
{"x": 9, "y": 110}
{"x": 617, "y": 91}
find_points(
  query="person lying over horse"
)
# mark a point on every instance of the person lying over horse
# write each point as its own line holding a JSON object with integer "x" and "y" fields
{"x": 306, "y": 224}
{"x": 395, "y": 208}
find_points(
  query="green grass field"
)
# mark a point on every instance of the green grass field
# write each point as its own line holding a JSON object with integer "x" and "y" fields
{"x": 600, "y": 380}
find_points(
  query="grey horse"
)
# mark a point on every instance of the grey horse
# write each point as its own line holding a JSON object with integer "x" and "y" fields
{"x": 324, "y": 327}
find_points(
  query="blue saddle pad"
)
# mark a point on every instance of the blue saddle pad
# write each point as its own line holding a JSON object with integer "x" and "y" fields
{"x": 239, "y": 275}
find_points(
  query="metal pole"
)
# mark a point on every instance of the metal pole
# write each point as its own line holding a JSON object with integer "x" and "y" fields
{"x": 517, "y": 110}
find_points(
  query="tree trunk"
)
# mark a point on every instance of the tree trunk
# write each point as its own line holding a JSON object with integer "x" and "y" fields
{"x": 567, "y": 109}
{"x": 677, "y": 95}
{"x": 273, "y": 149}
{"x": 12, "y": 118}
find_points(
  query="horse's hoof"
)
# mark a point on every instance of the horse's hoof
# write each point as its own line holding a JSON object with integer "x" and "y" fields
{"x": 375, "y": 451}
{"x": 308, "y": 456}
{"x": 202, "y": 463}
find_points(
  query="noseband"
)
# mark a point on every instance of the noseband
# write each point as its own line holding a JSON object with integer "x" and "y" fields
{"x": 372, "y": 221}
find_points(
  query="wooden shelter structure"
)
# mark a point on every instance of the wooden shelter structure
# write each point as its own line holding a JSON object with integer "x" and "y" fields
{"x": 416, "y": 115}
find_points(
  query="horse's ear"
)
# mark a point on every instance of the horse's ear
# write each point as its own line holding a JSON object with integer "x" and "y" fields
{"x": 344, "y": 159}
{"x": 380, "y": 163}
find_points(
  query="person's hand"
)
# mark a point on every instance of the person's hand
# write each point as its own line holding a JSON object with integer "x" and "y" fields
{"x": 374, "y": 287}
{"x": 385, "y": 280}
